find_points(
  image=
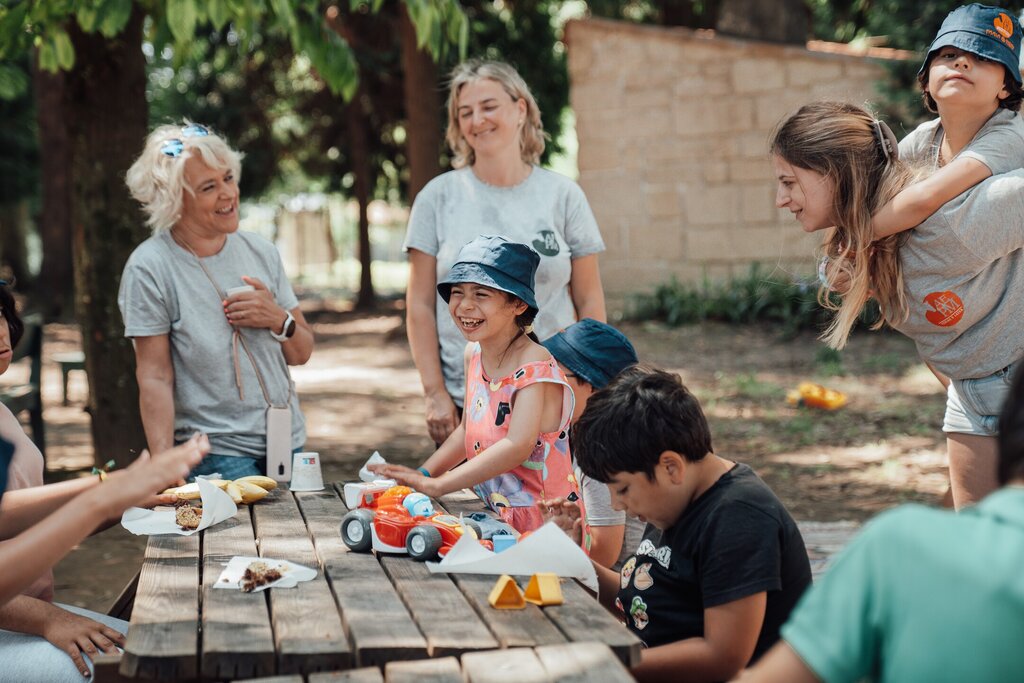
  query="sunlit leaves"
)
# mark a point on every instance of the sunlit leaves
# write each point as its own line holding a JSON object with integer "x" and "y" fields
{"x": 182, "y": 17}
{"x": 13, "y": 82}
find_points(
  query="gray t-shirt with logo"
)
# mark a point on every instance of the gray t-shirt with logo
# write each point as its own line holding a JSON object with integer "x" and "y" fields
{"x": 164, "y": 291}
{"x": 546, "y": 211}
{"x": 999, "y": 144}
{"x": 963, "y": 274}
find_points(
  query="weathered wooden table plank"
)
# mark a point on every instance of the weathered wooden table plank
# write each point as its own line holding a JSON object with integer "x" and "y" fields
{"x": 237, "y": 640}
{"x": 272, "y": 679}
{"x": 378, "y": 624}
{"x": 308, "y": 636}
{"x": 578, "y": 619}
{"x": 446, "y": 620}
{"x": 444, "y": 670}
{"x": 369, "y": 674}
{"x": 463, "y": 501}
{"x": 582, "y": 663}
{"x": 164, "y": 632}
{"x": 519, "y": 665}
{"x": 526, "y": 627}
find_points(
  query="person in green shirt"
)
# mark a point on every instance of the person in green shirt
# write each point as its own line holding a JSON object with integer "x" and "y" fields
{"x": 921, "y": 594}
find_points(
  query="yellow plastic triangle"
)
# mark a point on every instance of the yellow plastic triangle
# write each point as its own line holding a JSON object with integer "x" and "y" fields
{"x": 506, "y": 594}
{"x": 544, "y": 589}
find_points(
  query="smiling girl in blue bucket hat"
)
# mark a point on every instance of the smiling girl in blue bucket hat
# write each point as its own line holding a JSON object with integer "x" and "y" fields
{"x": 518, "y": 404}
{"x": 971, "y": 78}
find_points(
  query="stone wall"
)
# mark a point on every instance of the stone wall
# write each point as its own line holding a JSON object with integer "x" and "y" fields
{"x": 673, "y": 127}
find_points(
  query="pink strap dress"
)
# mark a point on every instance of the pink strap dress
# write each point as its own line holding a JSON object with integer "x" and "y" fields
{"x": 548, "y": 472}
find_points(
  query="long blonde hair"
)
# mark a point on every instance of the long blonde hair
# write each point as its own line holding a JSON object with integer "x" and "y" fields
{"x": 531, "y": 137}
{"x": 844, "y": 143}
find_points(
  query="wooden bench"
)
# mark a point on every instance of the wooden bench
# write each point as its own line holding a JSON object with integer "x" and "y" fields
{"x": 72, "y": 360}
{"x": 28, "y": 396}
{"x": 582, "y": 662}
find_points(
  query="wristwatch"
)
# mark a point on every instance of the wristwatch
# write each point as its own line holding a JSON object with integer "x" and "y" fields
{"x": 287, "y": 330}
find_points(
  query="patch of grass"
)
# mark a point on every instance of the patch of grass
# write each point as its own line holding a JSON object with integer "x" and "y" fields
{"x": 829, "y": 362}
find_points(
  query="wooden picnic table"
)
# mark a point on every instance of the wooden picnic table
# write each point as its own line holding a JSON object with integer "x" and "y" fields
{"x": 362, "y": 610}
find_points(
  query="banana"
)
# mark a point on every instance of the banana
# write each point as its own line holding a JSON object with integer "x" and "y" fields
{"x": 233, "y": 491}
{"x": 265, "y": 483}
{"x": 250, "y": 492}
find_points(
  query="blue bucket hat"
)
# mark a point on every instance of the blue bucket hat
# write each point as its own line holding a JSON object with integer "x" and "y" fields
{"x": 985, "y": 31}
{"x": 593, "y": 351}
{"x": 495, "y": 262}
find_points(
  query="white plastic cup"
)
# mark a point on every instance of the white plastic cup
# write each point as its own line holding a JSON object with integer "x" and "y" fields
{"x": 306, "y": 474}
{"x": 238, "y": 290}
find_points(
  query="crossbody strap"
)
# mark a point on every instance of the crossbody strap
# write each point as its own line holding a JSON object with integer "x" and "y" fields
{"x": 236, "y": 338}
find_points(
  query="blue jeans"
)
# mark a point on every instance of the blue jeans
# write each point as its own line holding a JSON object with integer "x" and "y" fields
{"x": 229, "y": 466}
{"x": 232, "y": 466}
{"x": 31, "y": 659}
{"x": 973, "y": 405}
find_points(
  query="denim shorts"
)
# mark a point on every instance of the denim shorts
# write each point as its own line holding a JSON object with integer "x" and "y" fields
{"x": 973, "y": 405}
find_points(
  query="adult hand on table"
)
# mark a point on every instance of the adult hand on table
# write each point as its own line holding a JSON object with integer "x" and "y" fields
{"x": 407, "y": 476}
{"x": 442, "y": 416}
{"x": 74, "y": 634}
{"x": 255, "y": 309}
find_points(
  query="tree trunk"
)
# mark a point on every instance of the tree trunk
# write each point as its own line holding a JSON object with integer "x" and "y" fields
{"x": 359, "y": 146}
{"x": 105, "y": 107}
{"x": 422, "y": 108}
{"x": 55, "y": 285}
{"x": 13, "y": 243}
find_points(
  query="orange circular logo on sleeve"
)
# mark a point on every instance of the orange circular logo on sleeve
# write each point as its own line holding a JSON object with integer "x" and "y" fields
{"x": 946, "y": 309}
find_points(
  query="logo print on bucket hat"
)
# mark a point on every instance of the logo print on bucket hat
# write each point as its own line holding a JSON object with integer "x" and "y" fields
{"x": 1003, "y": 24}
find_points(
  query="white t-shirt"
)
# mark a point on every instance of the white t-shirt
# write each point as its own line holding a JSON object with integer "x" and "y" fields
{"x": 547, "y": 211}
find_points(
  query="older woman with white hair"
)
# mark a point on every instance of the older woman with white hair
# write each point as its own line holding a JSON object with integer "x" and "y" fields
{"x": 213, "y": 318}
{"x": 496, "y": 137}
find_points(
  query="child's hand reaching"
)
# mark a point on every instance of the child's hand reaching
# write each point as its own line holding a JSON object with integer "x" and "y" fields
{"x": 407, "y": 476}
{"x": 566, "y": 514}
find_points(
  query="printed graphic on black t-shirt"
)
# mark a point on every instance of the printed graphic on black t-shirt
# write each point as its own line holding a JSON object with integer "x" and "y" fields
{"x": 735, "y": 541}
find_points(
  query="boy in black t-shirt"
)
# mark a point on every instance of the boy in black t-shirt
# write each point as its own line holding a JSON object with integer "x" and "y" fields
{"x": 721, "y": 564}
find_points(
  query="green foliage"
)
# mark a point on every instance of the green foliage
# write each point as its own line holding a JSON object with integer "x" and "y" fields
{"x": 19, "y": 154}
{"x": 25, "y": 25}
{"x": 756, "y": 297}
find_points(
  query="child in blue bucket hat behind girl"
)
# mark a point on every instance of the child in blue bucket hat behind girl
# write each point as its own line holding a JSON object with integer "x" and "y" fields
{"x": 971, "y": 78}
{"x": 591, "y": 353}
{"x": 518, "y": 404}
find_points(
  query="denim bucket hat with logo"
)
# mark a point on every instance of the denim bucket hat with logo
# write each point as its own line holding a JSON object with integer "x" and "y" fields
{"x": 495, "y": 262}
{"x": 592, "y": 350}
{"x": 989, "y": 32}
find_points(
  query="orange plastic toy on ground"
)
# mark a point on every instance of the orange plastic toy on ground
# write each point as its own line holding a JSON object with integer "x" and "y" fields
{"x": 816, "y": 396}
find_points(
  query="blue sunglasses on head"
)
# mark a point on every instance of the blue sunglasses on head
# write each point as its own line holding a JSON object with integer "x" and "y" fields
{"x": 175, "y": 146}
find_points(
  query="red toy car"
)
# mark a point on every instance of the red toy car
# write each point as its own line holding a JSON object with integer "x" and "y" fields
{"x": 400, "y": 520}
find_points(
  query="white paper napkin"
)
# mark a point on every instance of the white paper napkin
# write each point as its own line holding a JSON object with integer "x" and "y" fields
{"x": 547, "y": 549}
{"x": 291, "y": 573}
{"x": 217, "y": 506}
{"x": 375, "y": 459}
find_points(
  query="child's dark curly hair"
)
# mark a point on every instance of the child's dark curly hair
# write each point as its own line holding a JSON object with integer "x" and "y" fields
{"x": 9, "y": 310}
{"x": 1011, "y": 102}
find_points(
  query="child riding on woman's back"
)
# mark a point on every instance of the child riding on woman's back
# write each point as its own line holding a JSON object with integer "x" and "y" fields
{"x": 518, "y": 403}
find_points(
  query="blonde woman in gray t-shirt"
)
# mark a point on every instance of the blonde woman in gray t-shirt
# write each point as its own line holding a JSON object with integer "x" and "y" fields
{"x": 496, "y": 137}
{"x": 954, "y": 284}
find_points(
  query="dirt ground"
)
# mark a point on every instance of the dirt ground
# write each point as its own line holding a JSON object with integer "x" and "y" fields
{"x": 360, "y": 392}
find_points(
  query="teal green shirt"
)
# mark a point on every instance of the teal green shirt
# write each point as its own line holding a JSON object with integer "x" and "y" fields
{"x": 921, "y": 595}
